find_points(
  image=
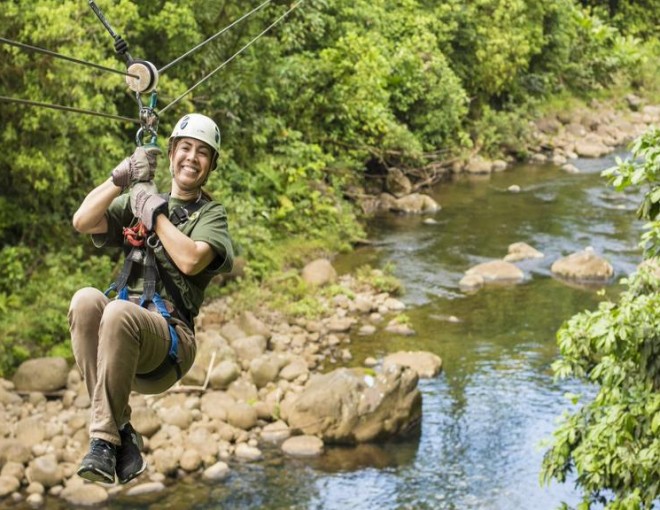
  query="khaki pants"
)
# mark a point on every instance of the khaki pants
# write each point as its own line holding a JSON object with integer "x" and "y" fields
{"x": 112, "y": 341}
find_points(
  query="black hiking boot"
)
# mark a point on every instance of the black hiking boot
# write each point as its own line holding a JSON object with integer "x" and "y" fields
{"x": 99, "y": 463}
{"x": 130, "y": 462}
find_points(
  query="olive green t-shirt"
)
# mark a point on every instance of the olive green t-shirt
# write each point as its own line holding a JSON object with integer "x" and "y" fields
{"x": 207, "y": 224}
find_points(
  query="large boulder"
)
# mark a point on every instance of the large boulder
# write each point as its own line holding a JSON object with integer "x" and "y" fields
{"x": 42, "y": 374}
{"x": 351, "y": 406}
{"x": 584, "y": 265}
{"x": 319, "y": 272}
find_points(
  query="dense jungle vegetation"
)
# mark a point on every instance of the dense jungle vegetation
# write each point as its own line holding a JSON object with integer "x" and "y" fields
{"x": 326, "y": 102}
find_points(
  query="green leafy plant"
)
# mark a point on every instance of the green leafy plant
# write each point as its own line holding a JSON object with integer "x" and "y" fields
{"x": 612, "y": 442}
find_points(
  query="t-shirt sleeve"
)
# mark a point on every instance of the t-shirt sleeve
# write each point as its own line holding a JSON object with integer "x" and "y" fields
{"x": 212, "y": 228}
{"x": 118, "y": 215}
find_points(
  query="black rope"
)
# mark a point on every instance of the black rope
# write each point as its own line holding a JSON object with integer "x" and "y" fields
{"x": 64, "y": 57}
{"x": 163, "y": 69}
{"x": 229, "y": 59}
{"x": 27, "y": 102}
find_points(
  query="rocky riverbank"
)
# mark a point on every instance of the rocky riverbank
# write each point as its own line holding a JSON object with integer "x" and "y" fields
{"x": 558, "y": 138}
{"x": 259, "y": 379}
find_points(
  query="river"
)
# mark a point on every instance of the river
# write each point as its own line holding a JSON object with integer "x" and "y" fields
{"x": 485, "y": 417}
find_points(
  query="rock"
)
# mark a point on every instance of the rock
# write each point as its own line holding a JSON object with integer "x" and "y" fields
{"x": 166, "y": 460}
{"x": 42, "y": 374}
{"x": 399, "y": 328}
{"x": 295, "y": 369}
{"x": 415, "y": 203}
{"x": 35, "y": 500}
{"x": 497, "y": 271}
{"x": 45, "y": 470}
{"x": 216, "y": 472}
{"x": 479, "y": 166}
{"x": 397, "y": 183}
{"x": 8, "y": 484}
{"x": 31, "y": 431}
{"x": 84, "y": 494}
{"x": 349, "y": 406}
{"x": 571, "y": 169}
{"x": 303, "y": 446}
{"x": 242, "y": 416}
{"x": 426, "y": 364}
{"x": 253, "y": 326}
{"x": 275, "y": 432}
{"x": 243, "y": 390}
{"x": 471, "y": 282}
{"x": 522, "y": 251}
{"x": 214, "y": 404}
{"x": 249, "y": 348}
{"x": 11, "y": 450}
{"x": 232, "y": 332}
{"x": 583, "y": 265}
{"x": 9, "y": 398}
{"x": 177, "y": 416}
{"x": 145, "y": 488}
{"x": 319, "y": 272}
{"x": 191, "y": 460}
{"x": 587, "y": 149}
{"x": 225, "y": 373}
{"x": 247, "y": 453}
{"x": 514, "y": 188}
{"x": 634, "y": 102}
{"x": 264, "y": 369}
{"x": 196, "y": 376}
{"x": 145, "y": 420}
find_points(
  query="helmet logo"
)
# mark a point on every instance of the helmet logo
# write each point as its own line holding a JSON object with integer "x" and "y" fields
{"x": 184, "y": 124}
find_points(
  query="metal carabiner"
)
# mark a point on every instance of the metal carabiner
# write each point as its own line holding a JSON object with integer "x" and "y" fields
{"x": 153, "y": 242}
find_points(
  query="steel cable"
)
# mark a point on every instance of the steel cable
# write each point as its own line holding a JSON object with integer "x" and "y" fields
{"x": 165, "y": 68}
{"x": 64, "y": 57}
{"x": 229, "y": 59}
{"x": 66, "y": 109}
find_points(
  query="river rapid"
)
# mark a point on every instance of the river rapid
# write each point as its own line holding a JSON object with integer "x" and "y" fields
{"x": 487, "y": 414}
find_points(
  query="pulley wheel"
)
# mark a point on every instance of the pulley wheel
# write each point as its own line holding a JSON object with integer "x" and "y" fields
{"x": 147, "y": 76}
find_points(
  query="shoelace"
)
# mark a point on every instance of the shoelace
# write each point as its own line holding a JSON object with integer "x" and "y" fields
{"x": 99, "y": 447}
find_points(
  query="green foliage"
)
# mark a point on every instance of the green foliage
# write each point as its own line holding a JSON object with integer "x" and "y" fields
{"x": 613, "y": 441}
{"x": 382, "y": 280}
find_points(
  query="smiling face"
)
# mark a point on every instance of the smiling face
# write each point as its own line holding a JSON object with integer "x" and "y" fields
{"x": 190, "y": 163}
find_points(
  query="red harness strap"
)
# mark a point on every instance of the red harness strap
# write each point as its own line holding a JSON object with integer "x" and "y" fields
{"x": 135, "y": 235}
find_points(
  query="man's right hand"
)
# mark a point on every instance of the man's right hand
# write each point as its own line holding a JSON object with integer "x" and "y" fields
{"x": 138, "y": 167}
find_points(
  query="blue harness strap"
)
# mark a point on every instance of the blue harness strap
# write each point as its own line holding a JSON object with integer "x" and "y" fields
{"x": 150, "y": 296}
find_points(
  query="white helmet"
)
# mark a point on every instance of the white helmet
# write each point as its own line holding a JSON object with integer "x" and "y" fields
{"x": 200, "y": 127}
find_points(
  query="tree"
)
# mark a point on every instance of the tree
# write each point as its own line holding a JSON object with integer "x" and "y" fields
{"x": 613, "y": 441}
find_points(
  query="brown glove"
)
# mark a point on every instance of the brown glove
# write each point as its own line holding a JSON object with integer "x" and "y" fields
{"x": 138, "y": 167}
{"x": 146, "y": 204}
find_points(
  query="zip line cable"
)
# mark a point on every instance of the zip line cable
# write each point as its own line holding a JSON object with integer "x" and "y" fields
{"x": 26, "y": 102}
{"x": 66, "y": 109}
{"x": 229, "y": 59}
{"x": 64, "y": 57}
{"x": 165, "y": 68}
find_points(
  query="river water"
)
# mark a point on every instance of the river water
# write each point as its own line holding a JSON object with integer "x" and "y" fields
{"x": 486, "y": 416}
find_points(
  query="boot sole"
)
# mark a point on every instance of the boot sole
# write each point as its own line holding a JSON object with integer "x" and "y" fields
{"x": 95, "y": 475}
